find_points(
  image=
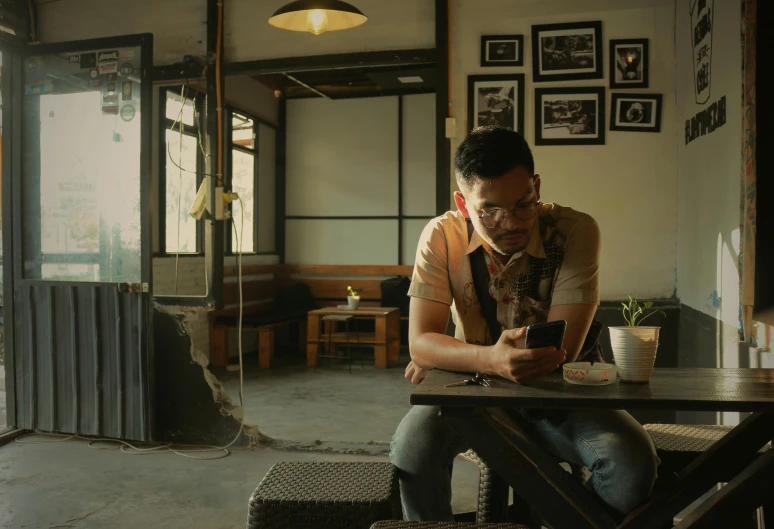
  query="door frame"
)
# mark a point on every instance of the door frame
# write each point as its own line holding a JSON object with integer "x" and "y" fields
{"x": 12, "y": 213}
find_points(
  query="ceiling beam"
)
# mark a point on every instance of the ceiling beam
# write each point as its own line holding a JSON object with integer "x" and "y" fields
{"x": 371, "y": 59}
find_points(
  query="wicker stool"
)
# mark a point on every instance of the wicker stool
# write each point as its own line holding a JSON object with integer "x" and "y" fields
{"x": 679, "y": 444}
{"x": 444, "y": 525}
{"x": 325, "y": 494}
{"x": 487, "y": 495}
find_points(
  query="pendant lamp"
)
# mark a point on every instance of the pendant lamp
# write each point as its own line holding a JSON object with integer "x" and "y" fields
{"x": 317, "y": 16}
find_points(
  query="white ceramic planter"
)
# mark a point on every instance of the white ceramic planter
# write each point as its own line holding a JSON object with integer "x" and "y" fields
{"x": 634, "y": 352}
{"x": 353, "y": 302}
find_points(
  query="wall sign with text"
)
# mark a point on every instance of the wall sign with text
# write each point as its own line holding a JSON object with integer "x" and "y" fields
{"x": 712, "y": 117}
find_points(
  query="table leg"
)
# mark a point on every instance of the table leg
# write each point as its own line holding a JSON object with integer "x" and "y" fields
{"x": 393, "y": 336}
{"x": 329, "y": 327}
{"x": 729, "y": 456}
{"x": 382, "y": 340}
{"x": 742, "y": 495}
{"x": 380, "y": 356}
{"x": 312, "y": 335}
{"x": 265, "y": 348}
{"x": 533, "y": 474}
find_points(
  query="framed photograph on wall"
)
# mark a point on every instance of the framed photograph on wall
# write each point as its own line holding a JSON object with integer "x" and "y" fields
{"x": 567, "y": 52}
{"x": 635, "y": 112}
{"x": 629, "y": 63}
{"x": 496, "y": 100}
{"x": 570, "y": 116}
{"x": 502, "y": 50}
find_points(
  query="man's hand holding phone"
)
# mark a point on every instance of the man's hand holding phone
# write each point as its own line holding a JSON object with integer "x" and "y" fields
{"x": 511, "y": 359}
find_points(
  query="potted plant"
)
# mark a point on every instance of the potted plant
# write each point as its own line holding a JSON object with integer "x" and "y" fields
{"x": 634, "y": 345}
{"x": 353, "y": 299}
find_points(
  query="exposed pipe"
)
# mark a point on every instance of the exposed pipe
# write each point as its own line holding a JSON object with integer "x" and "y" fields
{"x": 33, "y": 23}
{"x": 450, "y": 111}
{"x": 218, "y": 96}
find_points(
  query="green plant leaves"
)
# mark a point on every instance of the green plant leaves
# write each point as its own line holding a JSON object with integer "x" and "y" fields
{"x": 633, "y": 311}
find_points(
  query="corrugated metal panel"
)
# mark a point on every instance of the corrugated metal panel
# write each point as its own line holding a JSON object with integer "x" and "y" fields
{"x": 81, "y": 363}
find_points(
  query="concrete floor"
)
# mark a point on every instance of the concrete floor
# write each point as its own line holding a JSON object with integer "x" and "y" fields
{"x": 68, "y": 485}
{"x": 327, "y": 403}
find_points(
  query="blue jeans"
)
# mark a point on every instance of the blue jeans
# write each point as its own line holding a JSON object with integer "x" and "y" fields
{"x": 610, "y": 443}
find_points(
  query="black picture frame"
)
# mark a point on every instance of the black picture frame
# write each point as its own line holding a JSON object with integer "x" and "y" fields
{"x": 570, "y": 114}
{"x": 491, "y": 82}
{"x": 563, "y": 68}
{"x": 638, "y": 67}
{"x": 626, "y": 116}
{"x": 512, "y": 46}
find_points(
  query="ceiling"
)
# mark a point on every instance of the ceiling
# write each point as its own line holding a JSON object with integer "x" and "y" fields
{"x": 345, "y": 83}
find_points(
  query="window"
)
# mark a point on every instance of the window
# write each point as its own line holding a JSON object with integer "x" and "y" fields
{"x": 243, "y": 178}
{"x": 182, "y": 162}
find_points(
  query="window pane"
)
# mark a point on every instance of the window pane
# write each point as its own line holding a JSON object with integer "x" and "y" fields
{"x": 243, "y": 183}
{"x": 174, "y": 106}
{"x": 242, "y": 131}
{"x": 81, "y": 201}
{"x": 70, "y": 272}
{"x": 180, "y": 193}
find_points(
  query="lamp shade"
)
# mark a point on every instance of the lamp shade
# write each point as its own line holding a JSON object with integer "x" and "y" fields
{"x": 317, "y": 16}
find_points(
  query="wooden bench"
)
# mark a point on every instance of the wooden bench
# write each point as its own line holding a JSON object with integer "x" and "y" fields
{"x": 260, "y": 285}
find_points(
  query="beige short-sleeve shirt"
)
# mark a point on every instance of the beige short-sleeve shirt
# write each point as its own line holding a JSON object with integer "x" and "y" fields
{"x": 559, "y": 266}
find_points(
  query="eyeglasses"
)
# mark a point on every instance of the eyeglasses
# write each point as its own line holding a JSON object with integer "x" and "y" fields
{"x": 495, "y": 217}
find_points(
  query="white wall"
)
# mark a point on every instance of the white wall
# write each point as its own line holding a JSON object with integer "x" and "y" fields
{"x": 178, "y": 26}
{"x": 629, "y": 184}
{"x": 343, "y": 160}
{"x": 342, "y": 156}
{"x": 393, "y": 24}
{"x": 710, "y": 170}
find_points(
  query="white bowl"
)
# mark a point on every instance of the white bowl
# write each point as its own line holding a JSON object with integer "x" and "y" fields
{"x": 588, "y": 374}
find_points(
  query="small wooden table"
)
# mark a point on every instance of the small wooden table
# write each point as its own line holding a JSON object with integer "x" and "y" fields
{"x": 385, "y": 339}
{"x": 479, "y": 415}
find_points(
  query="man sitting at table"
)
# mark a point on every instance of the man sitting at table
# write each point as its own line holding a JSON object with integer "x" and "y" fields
{"x": 543, "y": 265}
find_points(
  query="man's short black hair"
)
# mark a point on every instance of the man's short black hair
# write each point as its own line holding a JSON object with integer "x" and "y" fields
{"x": 490, "y": 152}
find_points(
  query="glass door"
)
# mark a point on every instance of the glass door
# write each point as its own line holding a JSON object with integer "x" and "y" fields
{"x": 82, "y": 263}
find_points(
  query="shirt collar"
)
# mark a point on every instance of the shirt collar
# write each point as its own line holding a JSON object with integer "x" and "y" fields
{"x": 534, "y": 246}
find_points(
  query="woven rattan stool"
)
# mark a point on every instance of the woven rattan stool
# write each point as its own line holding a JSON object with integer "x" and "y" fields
{"x": 679, "y": 444}
{"x": 444, "y": 525}
{"x": 488, "y": 494}
{"x": 325, "y": 494}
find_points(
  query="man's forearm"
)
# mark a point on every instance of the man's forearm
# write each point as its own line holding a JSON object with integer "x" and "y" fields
{"x": 439, "y": 351}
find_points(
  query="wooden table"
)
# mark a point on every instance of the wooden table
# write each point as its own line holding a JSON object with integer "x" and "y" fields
{"x": 538, "y": 479}
{"x": 385, "y": 339}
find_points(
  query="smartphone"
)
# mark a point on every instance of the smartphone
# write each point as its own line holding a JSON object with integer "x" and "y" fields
{"x": 548, "y": 334}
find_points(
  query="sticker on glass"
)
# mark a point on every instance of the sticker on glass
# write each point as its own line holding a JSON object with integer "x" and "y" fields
{"x": 105, "y": 56}
{"x": 126, "y": 68}
{"x": 88, "y": 60}
{"x": 30, "y": 65}
{"x": 127, "y": 112}
{"x": 126, "y": 91}
{"x": 108, "y": 67}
